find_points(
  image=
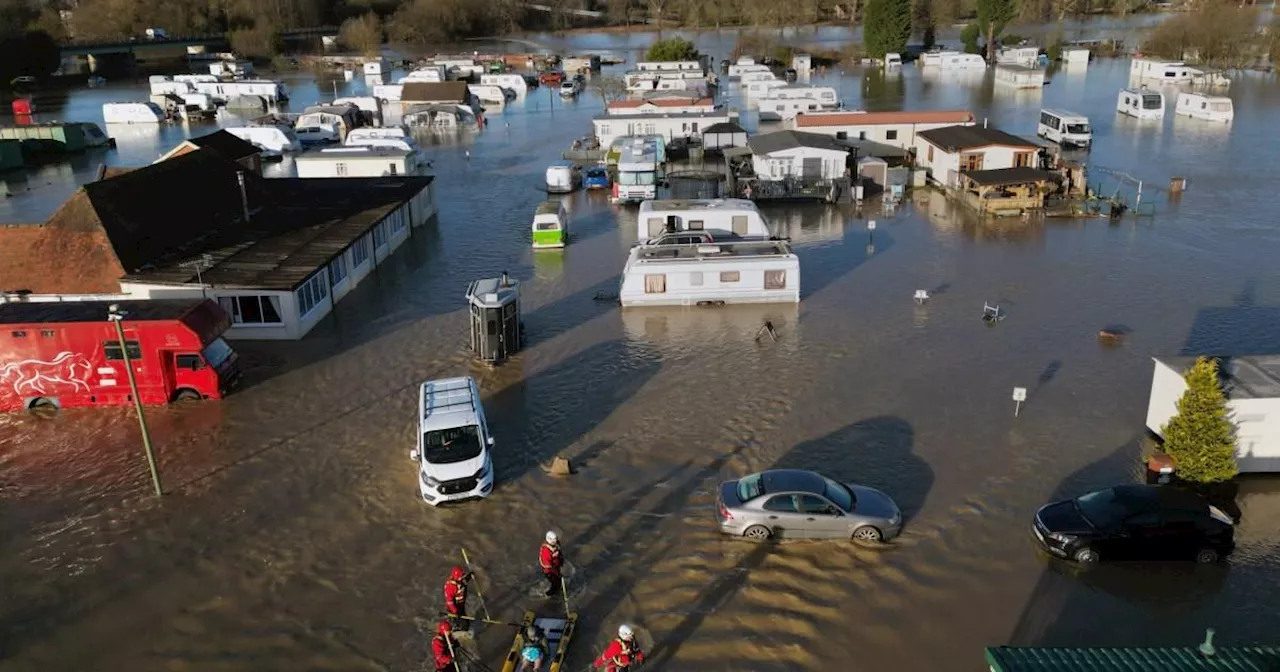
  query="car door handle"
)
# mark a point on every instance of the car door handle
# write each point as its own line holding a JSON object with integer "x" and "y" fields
{"x": 809, "y": 519}
{"x": 773, "y": 517}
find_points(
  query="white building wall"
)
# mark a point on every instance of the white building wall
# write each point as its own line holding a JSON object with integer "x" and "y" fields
{"x": 609, "y": 129}
{"x": 944, "y": 167}
{"x": 790, "y": 162}
{"x": 351, "y": 166}
{"x": 897, "y": 135}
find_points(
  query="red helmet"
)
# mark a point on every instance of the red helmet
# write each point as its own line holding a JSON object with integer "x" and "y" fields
{"x": 457, "y": 574}
{"x": 444, "y": 628}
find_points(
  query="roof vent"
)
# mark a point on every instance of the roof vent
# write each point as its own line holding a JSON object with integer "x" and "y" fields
{"x": 1206, "y": 648}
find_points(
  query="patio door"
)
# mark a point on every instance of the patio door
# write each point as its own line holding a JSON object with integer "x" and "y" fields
{"x": 811, "y": 168}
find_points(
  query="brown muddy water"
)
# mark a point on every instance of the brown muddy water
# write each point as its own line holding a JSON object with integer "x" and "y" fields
{"x": 293, "y": 536}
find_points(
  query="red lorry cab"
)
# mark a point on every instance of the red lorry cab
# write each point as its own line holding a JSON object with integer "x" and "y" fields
{"x": 67, "y": 354}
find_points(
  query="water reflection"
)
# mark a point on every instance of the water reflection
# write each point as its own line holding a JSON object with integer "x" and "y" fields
{"x": 136, "y": 139}
{"x": 693, "y": 329}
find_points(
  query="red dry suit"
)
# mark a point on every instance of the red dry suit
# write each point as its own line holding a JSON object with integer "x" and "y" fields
{"x": 441, "y": 647}
{"x": 619, "y": 655}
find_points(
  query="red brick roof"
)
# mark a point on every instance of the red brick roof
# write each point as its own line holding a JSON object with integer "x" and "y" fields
{"x": 69, "y": 254}
{"x": 810, "y": 120}
{"x": 663, "y": 102}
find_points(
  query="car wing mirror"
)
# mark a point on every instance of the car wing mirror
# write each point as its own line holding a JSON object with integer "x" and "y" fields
{"x": 489, "y": 440}
{"x": 413, "y": 454}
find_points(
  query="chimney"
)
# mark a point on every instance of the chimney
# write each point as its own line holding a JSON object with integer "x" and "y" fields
{"x": 505, "y": 282}
{"x": 984, "y": 125}
{"x": 244, "y": 196}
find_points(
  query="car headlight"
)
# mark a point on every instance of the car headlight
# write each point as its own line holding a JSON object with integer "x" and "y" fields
{"x": 484, "y": 472}
{"x": 897, "y": 518}
{"x": 429, "y": 482}
{"x": 1061, "y": 538}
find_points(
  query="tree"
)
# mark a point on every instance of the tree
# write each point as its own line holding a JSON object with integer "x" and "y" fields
{"x": 993, "y": 16}
{"x": 969, "y": 36}
{"x": 886, "y": 25}
{"x": 1201, "y": 438}
{"x": 362, "y": 34}
{"x": 672, "y": 49}
{"x": 256, "y": 42}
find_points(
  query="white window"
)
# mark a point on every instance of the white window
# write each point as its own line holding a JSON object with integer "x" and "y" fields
{"x": 655, "y": 283}
{"x": 312, "y": 293}
{"x": 338, "y": 269}
{"x": 397, "y": 220}
{"x": 340, "y": 169}
{"x": 360, "y": 251}
{"x": 252, "y": 309}
{"x": 603, "y": 130}
{"x": 380, "y": 235}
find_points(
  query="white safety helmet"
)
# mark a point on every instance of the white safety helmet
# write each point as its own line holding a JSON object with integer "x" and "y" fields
{"x": 624, "y": 631}
{"x": 552, "y": 538}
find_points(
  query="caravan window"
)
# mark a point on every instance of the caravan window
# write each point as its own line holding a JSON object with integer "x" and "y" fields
{"x": 775, "y": 279}
{"x": 655, "y": 283}
{"x": 1152, "y": 101}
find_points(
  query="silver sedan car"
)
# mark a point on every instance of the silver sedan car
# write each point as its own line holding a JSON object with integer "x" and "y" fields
{"x": 796, "y": 504}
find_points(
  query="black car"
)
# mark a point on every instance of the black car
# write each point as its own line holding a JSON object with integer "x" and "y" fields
{"x": 1135, "y": 522}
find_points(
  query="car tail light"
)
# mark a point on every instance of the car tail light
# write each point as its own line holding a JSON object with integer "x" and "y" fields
{"x": 724, "y": 511}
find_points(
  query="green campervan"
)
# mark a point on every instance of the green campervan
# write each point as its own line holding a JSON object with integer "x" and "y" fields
{"x": 550, "y": 225}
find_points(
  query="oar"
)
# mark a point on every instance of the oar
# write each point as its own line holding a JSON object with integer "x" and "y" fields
{"x": 483, "y": 620}
{"x": 478, "y": 593}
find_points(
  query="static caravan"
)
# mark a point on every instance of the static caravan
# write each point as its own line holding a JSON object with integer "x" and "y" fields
{"x": 1141, "y": 103}
{"x": 1065, "y": 128}
{"x": 513, "y": 82}
{"x": 772, "y": 108}
{"x": 952, "y": 60}
{"x": 387, "y": 93}
{"x": 377, "y": 67}
{"x": 664, "y": 66}
{"x": 459, "y": 68}
{"x": 824, "y": 95}
{"x": 427, "y": 73}
{"x": 757, "y": 77}
{"x": 132, "y": 113}
{"x": 273, "y": 140}
{"x": 231, "y": 68}
{"x": 1019, "y": 76}
{"x": 1075, "y": 56}
{"x": 161, "y": 85}
{"x": 721, "y": 217}
{"x": 360, "y": 162}
{"x": 376, "y": 137}
{"x": 1167, "y": 72}
{"x": 722, "y": 273}
{"x": 744, "y": 65}
{"x": 1252, "y": 388}
{"x": 195, "y": 79}
{"x": 271, "y": 90}
{"x": 583, "y": 64}
{"x": 1028, "y": 56}
{"x": 1204, "y": 106}
{"x": 369, "y": 107}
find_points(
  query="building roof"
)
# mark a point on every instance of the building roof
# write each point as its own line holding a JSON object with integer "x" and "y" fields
{"x": 1181, "y": 659}
{"x": 1002, "y": 176}
{"x": 717, "y": 113}
{"x": 349, "y": 152}
{"x": 68, "y": 254}
{"x": 956, "y": 138}
{"x": 434, "y": 92}
{"x": 662, "y": 102}
{"x": 94, "y": 311}
{"x": 225, "y": 144}
{"x": 1241, "y": 377}
{"x": 783, "y": 140}
{"x": 812, "y": 119}
{"x": 107, "y": 172}
{"x": 724, "y": 127}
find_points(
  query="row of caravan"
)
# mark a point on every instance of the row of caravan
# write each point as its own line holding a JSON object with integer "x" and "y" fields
{"x": 218, "y": 89}
{"x": 784, "y": 103}
{"x": 1144, "y": 103}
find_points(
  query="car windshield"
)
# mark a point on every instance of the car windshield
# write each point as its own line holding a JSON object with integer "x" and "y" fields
{"x": 216, "y": 352}
{"x": 1078, "y": 129}
{"x": 456, "y": 444}
{"x": 750, "y": 487}
{"x": 1101, "y": 509}
{"x": 596, "y": 172}
{"x": 838, "y": 493}
{"x": 640, "y": 179}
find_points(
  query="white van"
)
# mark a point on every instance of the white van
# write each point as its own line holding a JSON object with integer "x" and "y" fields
{"x": 132, "y": 113}
{"x": 454, "y": 462}
{"x": 563, "y": 177}
{"x": 1065, "y": 128}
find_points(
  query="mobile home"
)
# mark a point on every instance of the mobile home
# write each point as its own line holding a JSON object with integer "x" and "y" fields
{"x": 427, "y": 73}
{"x": 1141, "y": 103}
{"x": 224, "y": 68}
{"x": 1166, "y": 72}
{"x": 666, "y": 66}
{"x": 824, "y": 95}
{"x": 1204, "y": 106}
{"x": 382, "y": 136}
{"x": 1019, "y": 76}
{"x": 721, "y": 217}
{"x": 1065, "y": 128}
{"x": 952, "y": 60}
{"x": 271, "y": 90}
{"x": 771, "y": 108}
{"x": 273, "y": 140}
{"x": 762, "y": 88}
{"x": 132, "y": 113}
{"x": 376, "y": 67}
{"x": 387, "y": 93}
{"x": 162, "y": 85}
{"x": 754, "y": 271}
{"x": 1028, "y": 56}
{"x": 511, "y": 81}
{"x": 360, "y": 161}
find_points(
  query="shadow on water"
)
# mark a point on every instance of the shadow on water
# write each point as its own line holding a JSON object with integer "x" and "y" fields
{"x": 570, "y": 312}
{"x": 1242, "y": 330}
{"x": 876, "y": 452}
{"x": 546, "y": 413}
{"x": 825, "y": 264}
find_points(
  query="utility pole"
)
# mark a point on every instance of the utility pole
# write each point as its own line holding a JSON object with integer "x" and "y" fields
{"x": 116, "y": 316}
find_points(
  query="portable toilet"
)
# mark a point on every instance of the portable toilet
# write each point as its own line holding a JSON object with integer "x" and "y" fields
{"x": 802, "y": 62}
{"x": 496, "y": 330}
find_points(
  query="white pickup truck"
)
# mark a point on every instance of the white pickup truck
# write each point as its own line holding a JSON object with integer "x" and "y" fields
{"x": 453, "y": 452}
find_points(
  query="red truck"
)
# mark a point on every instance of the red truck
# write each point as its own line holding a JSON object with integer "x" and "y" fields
{"x": 67, "y": 354}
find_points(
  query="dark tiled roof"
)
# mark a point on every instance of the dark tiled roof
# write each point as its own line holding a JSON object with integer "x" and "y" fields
{"x": 68, "y": 254}
{"x": 724, "y": 127}
{"x": 1181, "y": 659}
{"x": 782, "y": 140}
{"x": 434, "y": 92}
{"x": 225, "y": 144}
{"x": 953, "y": 138}
{"x": 94, "y": 311}
{"x": 1001, "y": 176}
{"x": 1254, "y": 377}
{"x": 106, "y": 172}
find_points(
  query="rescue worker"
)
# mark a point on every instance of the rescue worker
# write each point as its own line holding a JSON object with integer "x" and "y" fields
{"x": 455, "y": 597}
{"x": 549, "y": 561}
{"x": 621, "y": 652}
{"x": 443, "y": 646}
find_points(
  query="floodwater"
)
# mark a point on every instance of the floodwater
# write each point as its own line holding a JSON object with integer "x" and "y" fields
{"x": 293, "y": 536}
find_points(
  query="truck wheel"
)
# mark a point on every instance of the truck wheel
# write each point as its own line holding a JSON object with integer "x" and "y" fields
{"x": 42, "y": 404}
{"x": 186, "y": 394}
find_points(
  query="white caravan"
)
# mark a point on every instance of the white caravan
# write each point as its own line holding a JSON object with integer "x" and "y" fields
{"x": 488, "y": 93}
{"x": 721, "y": 218}
{"x": 638, "y": 169}
{"x": 162, "y": 85}
{"x": 1204, "y": 106}
{"x": 762, "y": 88}
{"x": 387, "y": 93}
{"x": 1028, "y": 56}
{"x": 1165, "y": 72}
{"x": 951, "y": 60}
{"x": 1019, "y": 76}
{"x": 272, "y": 140}
{"x": 1141, "y": 103}
{"x": 509, "y": 81}
{"x": 720, "y": 273}
{"x": 427, "y": 73}
{"x": 453, "y": 458}
{"x": 271, "y": 90}
{"x": 688, "y": 66}
{"x": 381, "y": 136}
{"x": 132, "y": 113}
{"x": 360, "y": 161}
{"x": 749, "y": 77}
{"x": 1065, "y": 128}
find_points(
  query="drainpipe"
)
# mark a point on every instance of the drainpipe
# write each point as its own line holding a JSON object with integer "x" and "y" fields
{"x": 244, "y": 196}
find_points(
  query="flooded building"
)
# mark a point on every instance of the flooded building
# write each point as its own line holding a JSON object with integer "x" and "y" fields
{"x": 276, "y": 254}
{"x": 891, "y": 128}
{"x": 224, "y": 144}
{"x": 609, "y": 127}
{"x": 947, "y": 152}
{"x": 415, "y": 93}
{"x": 664, "y": 104}
{"x": 783, "y": 154}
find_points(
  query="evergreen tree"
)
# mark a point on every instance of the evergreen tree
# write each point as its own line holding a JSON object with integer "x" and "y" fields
{"x": 1201, "y": 438}
{"x": 993, "y": 16}
{"x": 886, "y": 25}
{"x": 672, "y": 49}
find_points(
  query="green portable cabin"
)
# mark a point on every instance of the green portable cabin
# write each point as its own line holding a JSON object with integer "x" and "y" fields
{"x": 1171, "y": 659}
{"x": 550, "y": 225}
{"x": 11, "y": 155}
{"x": 71, "y": 138}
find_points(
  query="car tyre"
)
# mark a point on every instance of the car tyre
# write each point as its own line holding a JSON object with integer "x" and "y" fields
{"x": 1086, "y": 556}
{"x": 868, "y": 533}
{"x": 757, "y": 533}
{"x": 1206, "y": 556}
{"x": 186, "y": 394}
